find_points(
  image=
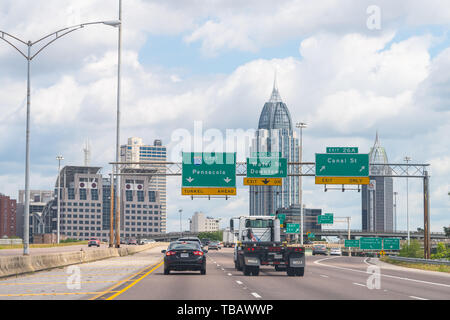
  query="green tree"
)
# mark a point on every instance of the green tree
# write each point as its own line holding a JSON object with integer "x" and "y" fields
{"x": 447, "y": 231}
{"x": 442, "y": 252}
{"x": 215, "y": 236}
{"x": 413, "y": 250}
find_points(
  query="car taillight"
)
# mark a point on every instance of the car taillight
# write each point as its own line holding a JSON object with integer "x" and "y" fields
{"x": 198, "y": 253}
{"x": 170, "y": 253}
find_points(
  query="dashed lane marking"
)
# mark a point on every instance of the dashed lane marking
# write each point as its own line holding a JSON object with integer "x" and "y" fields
{"x": 257, "y": 296}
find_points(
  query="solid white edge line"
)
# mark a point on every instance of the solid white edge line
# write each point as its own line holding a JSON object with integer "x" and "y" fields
{"x": 384, "y": 275}
{"x": 418, "y": 298}
{"x": 358, "y": 284}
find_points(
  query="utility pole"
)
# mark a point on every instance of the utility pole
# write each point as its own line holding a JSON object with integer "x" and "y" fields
{"x": 58, "y": 214}
{"x": 300, "y": 125}
{"x": 407, "y": 159}
{"x": 181, "y": 231}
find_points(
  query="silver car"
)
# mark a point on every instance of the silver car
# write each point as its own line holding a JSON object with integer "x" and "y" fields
{"x": 335, "y": 252}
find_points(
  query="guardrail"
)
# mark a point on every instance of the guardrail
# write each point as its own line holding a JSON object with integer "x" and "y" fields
{"x": 418, "y": 260}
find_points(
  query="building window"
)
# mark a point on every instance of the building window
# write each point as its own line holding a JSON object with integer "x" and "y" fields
{"x": 71, "y": 194}
{"x": 83, "y": 194}
{"x": 140, "y": 196}
{"x": 152, "y": 196}
{"x": 94, "y": 195}
{"x": 129, "y": 195}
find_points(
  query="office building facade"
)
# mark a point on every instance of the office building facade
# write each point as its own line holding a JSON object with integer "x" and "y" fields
{"x": 377, "y": 197}
{"x": 8, "y": 213}
{"x": 275, "y": 134}
{"x": 134, "y": 151}
{"x": 201, "y": 223}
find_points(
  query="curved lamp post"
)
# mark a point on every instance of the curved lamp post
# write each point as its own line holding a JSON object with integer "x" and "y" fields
{"x": 52, "y": 37}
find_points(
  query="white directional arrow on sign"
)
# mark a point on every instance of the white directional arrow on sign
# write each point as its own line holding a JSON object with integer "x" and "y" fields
{"x": 190, "y": 179}
{"x": 362, "y": 168}
{"x": 227, "y": 180}
{"x": 321, "y": 169}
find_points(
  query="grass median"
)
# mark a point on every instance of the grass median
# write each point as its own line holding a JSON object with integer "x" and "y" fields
{"x": 44, "y": 245}
{"x": 422, "y": 266}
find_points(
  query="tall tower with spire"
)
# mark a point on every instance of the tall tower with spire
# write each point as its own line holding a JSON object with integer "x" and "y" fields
{"x": 377, "y": 198}
{"x": 275, "y": 134}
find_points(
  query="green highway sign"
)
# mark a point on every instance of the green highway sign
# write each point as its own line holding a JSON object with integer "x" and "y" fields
{"x": 342, "y": 150}
{"x": 391, "y": 244}
{"x": 326, "y": 218}
{"x": 292, "y": 228}
{"x": 370, "y": 243}
{"x": 342, "y": 165}
{"x": 352, "y": 243}
{"x": 265, "y": 167}
{"x": 213, "y": 169}
{"x": 311, "y": 235}
{"x": 281, "y": 217}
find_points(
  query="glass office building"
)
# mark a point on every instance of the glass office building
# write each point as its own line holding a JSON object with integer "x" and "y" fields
{"x": 377, "y": 198}
{"x": 275, "y": 134}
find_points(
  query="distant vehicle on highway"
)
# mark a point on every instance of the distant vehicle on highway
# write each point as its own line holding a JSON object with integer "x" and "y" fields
{"x": 319, "y": 249}
{"x": 205, "y": 241}
{"x": 131, "y": 241}
{"x": 335, "y": 252}
{"x": 214, "y": 245}
{"x": 147, "y": 241}
{"x": 184, "y": 256}
{"x": 94, "y": 242}
{"x": 192, "y": 239}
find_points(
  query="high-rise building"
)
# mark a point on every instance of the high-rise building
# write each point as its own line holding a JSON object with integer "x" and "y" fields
{"x": 275, "y": 134}
{"x": 7, "y": 216}
{"x": 134, "y": 151}
{"x": 377, "y": 197}
{"x": 38, "y": 201}
{"x": 200, "y": 223}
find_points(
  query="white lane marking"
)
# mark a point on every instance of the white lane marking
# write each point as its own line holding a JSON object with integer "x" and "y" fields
{"x": 324, "y": 276}
{"x": 418, "y": 298}
{"x": 365, "y": 261}
{"x": 223, "y": 269}
{"x": 238, "y": 282}
{"x": 358, "y": 284}
{"x": 384, "y": 275}
{"x": 257, "y": 296}
{"x": 230, "y": 274}
{"x": 218, "y": 265}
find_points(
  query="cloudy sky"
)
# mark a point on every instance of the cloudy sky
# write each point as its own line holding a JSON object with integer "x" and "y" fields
{"x": 347, "y": 68}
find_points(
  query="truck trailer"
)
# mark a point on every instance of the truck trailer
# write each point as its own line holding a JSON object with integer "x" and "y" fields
{"x": 258, "y": 244}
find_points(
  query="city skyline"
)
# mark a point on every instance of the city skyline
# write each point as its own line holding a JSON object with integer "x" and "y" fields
{"x": 345, "y": 82}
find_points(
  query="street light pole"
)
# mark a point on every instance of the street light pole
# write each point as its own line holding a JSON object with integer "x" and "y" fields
{"x": 29, "y": 57}
{"x": 395, "y": 211}
{"x": 300, "y": 125}
{"x": 119, "y": 60}
{"x": 407, "y": 159}
{"x": 58, "y": 215}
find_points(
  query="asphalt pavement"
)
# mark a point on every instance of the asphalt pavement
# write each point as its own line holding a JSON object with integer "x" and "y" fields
{"x": 141, "y": 277}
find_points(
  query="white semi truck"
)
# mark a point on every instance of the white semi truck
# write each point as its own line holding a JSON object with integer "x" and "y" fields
{"x": 228, "y": 239}
{"x": 258, "y": 244}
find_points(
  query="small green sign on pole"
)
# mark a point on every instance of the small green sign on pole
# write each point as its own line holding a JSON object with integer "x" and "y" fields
{"x": 326, "y": 218}
{"x": 391, "y": 244}
{"x": 370, "y": 243}
{"x": 352, "y": 243}
{"x": 292, "y": 228}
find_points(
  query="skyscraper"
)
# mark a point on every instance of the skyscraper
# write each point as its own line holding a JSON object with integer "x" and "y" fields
{"x": 377, "y": 198}
{"x": 275, "y": 134}
{"x": 134, "y": 151}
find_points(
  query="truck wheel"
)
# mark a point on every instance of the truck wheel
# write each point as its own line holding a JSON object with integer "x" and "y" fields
{"x": 299, "y": 272}
{"x": 237, "y": 266}
{"x": 166, "y": 271}
{"x": 255, "y": 271}
{"x": 290, "y": 272}
{"x": 203, "y": 271}
{"x": 246, "y": 270}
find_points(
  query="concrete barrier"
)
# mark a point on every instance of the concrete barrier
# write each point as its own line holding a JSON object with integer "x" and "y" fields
{"x": 15, "y": 265}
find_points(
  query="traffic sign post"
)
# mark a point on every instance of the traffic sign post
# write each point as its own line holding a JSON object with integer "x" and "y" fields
{"x": 342, "y": 165}
{"x": 208, "y": 173}
{"x": 266, "y": 167}
{"x": 351, "y": 244}
{"x": 391, "y": 244}
{"x": 326, "y": 218}
{"x": 370, "y": 243}
{"x": 292, "y": 228}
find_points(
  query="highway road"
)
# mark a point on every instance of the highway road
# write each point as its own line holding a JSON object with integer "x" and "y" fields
{"x": 140, "y": 277}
